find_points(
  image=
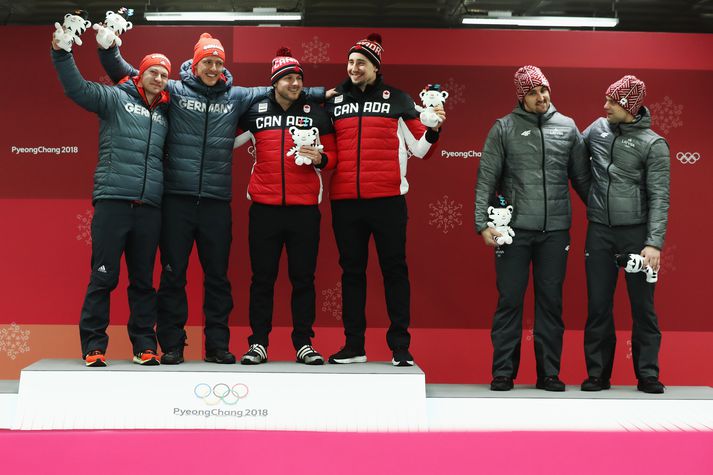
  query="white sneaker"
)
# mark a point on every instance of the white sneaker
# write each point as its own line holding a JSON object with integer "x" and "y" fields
{"x": 309, "y": 356}
{"x": 256, "y": 354}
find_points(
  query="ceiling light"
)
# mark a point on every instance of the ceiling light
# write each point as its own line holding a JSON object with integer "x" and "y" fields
{"x": 221, "y": 16}
{"x": 551, "y": 21}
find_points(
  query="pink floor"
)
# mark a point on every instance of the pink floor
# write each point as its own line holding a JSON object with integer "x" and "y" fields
{"x": 223, "y": 452}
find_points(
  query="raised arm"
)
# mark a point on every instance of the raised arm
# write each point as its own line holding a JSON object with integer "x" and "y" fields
{"x": 88, "y": 95}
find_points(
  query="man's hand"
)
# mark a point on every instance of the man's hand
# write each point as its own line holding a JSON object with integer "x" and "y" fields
{"x": 441, "y": 113}
{"x": 652, "y": 257}
{"x": 308, "y": 151}
{"x": 330, "y": 94}
{"x": 489, "y": 235}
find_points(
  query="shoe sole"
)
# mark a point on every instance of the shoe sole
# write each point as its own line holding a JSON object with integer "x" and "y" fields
{"x": 650, "y": 392}
{"x": 163, "y": 361}
{"x": 214, "y": 360}
{"x": 355, "y": 359}
{"x": 246, "y": 361}
{"x": 95, "y": 364}
{"x": 149, "y": 362}
{"x": 402, "y": 363}
{"x": 316, "y": 362}
{"x": 500, "y": 389}
{"x": 552, "y": 390}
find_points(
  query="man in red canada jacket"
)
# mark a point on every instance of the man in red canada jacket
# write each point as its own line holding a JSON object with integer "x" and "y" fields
{"x": 377, "y": 128}
{"x": 285, "y": 193}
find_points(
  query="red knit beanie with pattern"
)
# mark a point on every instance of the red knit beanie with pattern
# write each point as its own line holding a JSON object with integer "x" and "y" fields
{"x": 284, "y": 64}
{"x": 370, "y": 47}
{"x": 527, "y": 78}
{"x": 629, "y": 93}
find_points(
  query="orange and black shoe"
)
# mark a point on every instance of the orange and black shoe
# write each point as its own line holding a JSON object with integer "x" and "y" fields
{"x": 95, "y": 359}
{"x": 147, "y": 358}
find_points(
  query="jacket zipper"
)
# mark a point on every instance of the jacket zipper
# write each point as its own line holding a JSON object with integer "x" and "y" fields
{"x": 205, "y": 137}
{"x": 611, "y": 162}
{"x": 544, "y": 176}
{"x": 282, "y": 163}
{"x": 146, "y": 156}
{"x": 358, "y": 177}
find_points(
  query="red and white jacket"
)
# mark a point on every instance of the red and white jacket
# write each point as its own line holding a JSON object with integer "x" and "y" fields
{"x": 376, "y": 134}
{"x": 276, "y": 179}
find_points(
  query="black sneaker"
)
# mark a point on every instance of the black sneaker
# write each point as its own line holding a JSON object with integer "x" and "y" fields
{"x": 593, "y": 383}
{"x": 550, "y": 383}
{"x": 348, "y": 355}
{"x": 501, "y": 383}
{"x": 650, "y": 385}
{"x": 402, "y": 358}
{"x": 256, "y": 354}
{"x": 309, "y": 356}
{"x": 220, "y": 357}
{"x": 174, "y": 356}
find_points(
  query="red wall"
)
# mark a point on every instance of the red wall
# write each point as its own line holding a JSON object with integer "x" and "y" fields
{"x": 45, "y": 198}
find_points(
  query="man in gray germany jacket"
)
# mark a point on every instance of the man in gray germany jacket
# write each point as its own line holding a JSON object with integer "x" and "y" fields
{"x": 628, "y": 213}
{"x": 529, "y": 157}
{"x": 203, "y": 113}
{"x": 128, "y": 187}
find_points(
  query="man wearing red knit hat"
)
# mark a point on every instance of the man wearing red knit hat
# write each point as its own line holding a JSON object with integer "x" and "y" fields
{"x": 378, "y": 129}
{"x": 127, "y": 195}
{"x": 198, "y": 188}
{"x": 529, "y": 158}
{"x": 286, "y": 193}
{"x": 628, "y": 215}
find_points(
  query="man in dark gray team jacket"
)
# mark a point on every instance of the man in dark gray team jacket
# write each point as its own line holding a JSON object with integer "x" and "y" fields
{"x": 203, "y": 114}
{"x": 628, "y": 214}
{"x": 128, "y": 188}
{"x": 529, "y": 157}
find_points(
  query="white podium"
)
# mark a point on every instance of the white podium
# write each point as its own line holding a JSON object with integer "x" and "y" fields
{"x": 64, "y": 394}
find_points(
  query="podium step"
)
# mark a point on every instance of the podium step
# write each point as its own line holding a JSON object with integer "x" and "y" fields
{"x": 64, "y": 394}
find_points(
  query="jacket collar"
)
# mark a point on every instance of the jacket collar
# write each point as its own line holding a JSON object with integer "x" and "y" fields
{"x": 520, "y": 111}
{"x": 191, "y": 80}
{"x": 348, "y": 88}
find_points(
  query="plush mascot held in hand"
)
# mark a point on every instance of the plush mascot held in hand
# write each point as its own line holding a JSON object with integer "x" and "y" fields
{"x": 71, "y": 29}
{"x": 114, "y": 25}
{"x": 303, "y": 137}
{"x": 500, "y": 220}
{"x": 431, "y": 97}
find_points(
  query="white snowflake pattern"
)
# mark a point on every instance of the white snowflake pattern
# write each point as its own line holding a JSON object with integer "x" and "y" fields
{"x": 315, "y": 51}
{"x": 105, "y": 79}
{"x": 14, "y": 340}
{"x": 84, "y": 228}
{"x": 445, "y": 214}
{"x": 666, "y": 115}
{"x": 668, "y": 260}
{"x": 629, "y": 354}
{"x": 332, "y": 303}
{"x": 456, "y": 93}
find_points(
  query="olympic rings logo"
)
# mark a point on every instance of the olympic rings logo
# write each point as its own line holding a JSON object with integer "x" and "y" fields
{"x": 688, "y": 157}
{"x": 221, "y": 392}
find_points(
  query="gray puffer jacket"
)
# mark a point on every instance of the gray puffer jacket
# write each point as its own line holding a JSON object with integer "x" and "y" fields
{"x": 631, "y": 176}
{"x": 529, "y": 159}
{"x": 131, "y": 134}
